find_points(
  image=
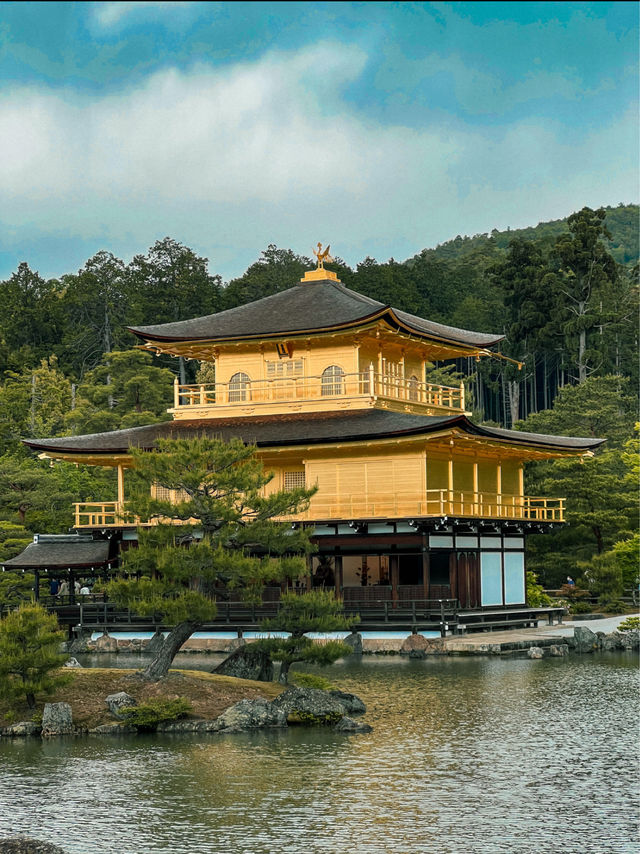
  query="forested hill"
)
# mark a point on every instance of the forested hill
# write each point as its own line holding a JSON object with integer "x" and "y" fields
{"x": 621, "y": 221}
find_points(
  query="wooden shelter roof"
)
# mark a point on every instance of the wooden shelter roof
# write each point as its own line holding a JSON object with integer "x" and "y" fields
{"x": 64, "y": 550}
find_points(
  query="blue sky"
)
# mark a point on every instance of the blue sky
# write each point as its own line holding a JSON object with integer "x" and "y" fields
{"x": 382, "y": 128}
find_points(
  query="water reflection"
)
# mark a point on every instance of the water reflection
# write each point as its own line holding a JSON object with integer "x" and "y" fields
{"x": 467, "y": 754}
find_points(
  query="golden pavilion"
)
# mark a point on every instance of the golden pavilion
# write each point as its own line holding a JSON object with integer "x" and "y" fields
{"x": 415, "y": 501}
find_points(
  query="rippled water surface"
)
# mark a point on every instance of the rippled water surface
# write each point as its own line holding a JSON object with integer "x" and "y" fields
{"x": 467, "y": 755}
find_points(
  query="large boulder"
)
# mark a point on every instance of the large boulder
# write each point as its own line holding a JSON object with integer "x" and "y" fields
{"x": 24, "y": 845}
{"x": 415, "y": 645}
{"x": 57, "y": 719}
{"x": 247, "y": 662}
{"x": 354, "y": 640}
{"x": 535, "y": 652}
{"x": 347, "y": 725}
{"x": 105, "y": 643}
{"x": 309, "y": 706}
{"x": 630, "y": 640}
{"x": 72, "y": 662}
{"x": 117, "y": 702}
{"x": 352, "y": 705}
{"x": 585, "y": 640}
{"x": 556, "y": 650}
{"x": 251, "y": 714}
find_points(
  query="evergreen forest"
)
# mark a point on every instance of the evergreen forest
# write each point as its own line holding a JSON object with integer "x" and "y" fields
{"x": 563, "y": 293}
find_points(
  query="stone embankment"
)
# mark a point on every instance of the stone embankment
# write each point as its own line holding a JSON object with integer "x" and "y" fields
{"x": 512, "y": 642}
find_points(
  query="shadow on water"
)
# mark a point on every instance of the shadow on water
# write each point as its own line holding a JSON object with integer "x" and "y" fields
{"x": 482, "y": 754}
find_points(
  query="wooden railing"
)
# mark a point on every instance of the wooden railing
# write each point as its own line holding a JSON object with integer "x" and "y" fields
{"x": 435, "y": 502}
{"x": 363, "y": 384}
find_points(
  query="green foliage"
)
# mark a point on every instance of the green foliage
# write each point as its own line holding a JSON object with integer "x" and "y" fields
{"x": 311, "y": 680}
{"x": 610, "y": 604}
{"x": 536, "y": 597}
{"x": 314, "y": 611}
{"x": 29, "y": 644}
{"x": 602, "y": 500}
{"x": 33, "y": 403}
{"x": 125, "y": 390}
{"x": 580, "y": 607}
{"x": 147, "y": 716}
{"x": 231, "y": 542}
{"x": 630, "y": 624}
{"x": 40, "y": 495}
{"x": 299, "y": 614}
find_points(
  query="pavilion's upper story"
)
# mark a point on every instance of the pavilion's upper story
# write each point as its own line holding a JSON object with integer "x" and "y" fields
{"x": 315, "y": 347}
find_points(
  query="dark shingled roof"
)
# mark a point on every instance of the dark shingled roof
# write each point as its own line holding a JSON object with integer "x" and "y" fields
{"x": 270, "y": 431}
{"x": 306, "y": 307}
{"x": 61, "y": 551}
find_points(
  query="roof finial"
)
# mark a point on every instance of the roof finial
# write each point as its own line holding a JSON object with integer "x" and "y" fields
{"x": 322, "y": 256}
{"x": 320, "y": 274}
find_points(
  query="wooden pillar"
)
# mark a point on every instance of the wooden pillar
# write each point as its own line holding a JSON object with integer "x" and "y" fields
{"x": 120, "y": 486}
{"x": 36, "y": 585}
{"x": 176, "y": 392}
{"x": 337, "y": 571}
{"x": 499, "y": 487}
{"x": 72, "y": 587}
{"x": 476, "y": 508}
{"x": 425, "y": 565}
{"x": 450, "y": 485}
{"x": 394, "y": 572}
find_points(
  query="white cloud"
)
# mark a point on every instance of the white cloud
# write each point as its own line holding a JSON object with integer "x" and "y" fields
{"x": 230, "y": 160}
{"x": 109, "y": 15}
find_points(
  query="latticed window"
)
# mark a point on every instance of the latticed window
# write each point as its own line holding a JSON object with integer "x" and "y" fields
{"x": 285, "y": 368}
{"x": 294, "y": 480}
{"x": 332, "y": 381}
{"x": 239, "y": 387}
{"x": 162, "y": 493}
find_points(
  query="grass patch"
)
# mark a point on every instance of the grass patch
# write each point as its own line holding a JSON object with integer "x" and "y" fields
{"x": 209, "y": 695}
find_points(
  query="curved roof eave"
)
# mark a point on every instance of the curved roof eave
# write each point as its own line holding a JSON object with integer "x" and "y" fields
{"x": 276, "y": 431}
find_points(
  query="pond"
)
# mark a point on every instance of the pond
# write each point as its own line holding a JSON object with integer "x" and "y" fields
{"x": 476, "y": 754}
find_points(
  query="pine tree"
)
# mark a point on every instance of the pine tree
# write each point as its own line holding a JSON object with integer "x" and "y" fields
{"x": 222, "y": 537}
{"x": 29, "y": 644}
{"x": 299, "y": 614}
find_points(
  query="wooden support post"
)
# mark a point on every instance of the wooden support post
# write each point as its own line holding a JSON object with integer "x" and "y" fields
{"x": 476, "y": 508}
{"x": 450, "y": 485}
{"x": 338, "y": 572}
{"x": 499, "y": 487}
{"x": 36, "y": 584}
{"x": 120, "y": 488}
{"x": 176, "y": 392}
{"x": 394, "y": 572}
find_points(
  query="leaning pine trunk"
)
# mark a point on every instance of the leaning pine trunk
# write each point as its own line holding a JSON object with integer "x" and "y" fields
{"x": 161, "y": 663}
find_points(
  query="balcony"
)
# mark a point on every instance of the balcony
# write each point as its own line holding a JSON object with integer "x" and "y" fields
{"x": 313, "y": 393}
{"x": 433, "y": 503}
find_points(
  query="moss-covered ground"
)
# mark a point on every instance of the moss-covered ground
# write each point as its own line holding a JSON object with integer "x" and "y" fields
{"x": 87, "y": 689}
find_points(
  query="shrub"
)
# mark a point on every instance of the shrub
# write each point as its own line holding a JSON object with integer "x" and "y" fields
{"x": 611, "y": 604}
{"x": 147, "y": 716}
{"x": 629, "y": 625}
{"x": 580, "y": 608}
{"x": 536, "y": 597}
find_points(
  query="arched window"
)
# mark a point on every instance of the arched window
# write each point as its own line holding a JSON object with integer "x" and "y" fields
{"x": 332, "y": 381}
{"x": 239, "y": 387}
